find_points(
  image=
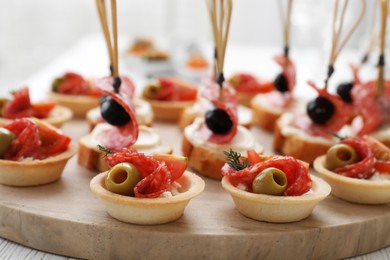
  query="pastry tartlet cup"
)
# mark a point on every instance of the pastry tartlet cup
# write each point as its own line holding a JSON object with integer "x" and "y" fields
{"x": 79, "y": 105}
{"x": 354, "y": 190}
{"x": 277, "y": 209}
{"x": 169, "y": 110}
{"x": 148, "y": 211}
{"x": 35, "y": 172}
{"x": 57, "y": 117}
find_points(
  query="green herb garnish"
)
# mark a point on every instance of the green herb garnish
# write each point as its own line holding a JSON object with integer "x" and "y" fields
{"x": 235, "y": 161}
{"x": 105, "y": 150}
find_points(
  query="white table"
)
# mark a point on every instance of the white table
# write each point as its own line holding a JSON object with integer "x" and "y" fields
{"x": 89, "y": 58}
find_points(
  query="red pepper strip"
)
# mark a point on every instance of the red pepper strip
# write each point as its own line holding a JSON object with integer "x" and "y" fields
{"x": 298, "y": 179}
{"x": 289, "y": 71}
{"x": 382, "y": 167}
{"x": 363, "y": 169}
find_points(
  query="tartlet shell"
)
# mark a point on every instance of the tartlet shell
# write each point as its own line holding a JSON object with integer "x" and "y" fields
{"x": 148, "y": 211}
{"x": 277, "y": 209}
{"x": 354, "y": 190}
{"x": 37, "y": 172}
{"x": 57, "y": 117}
{"x": 79, "y": 105}
{"x": 169, "y": 110}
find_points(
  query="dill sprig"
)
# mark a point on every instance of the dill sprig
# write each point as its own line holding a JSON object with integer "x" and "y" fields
{"x": 105, "y": 150}
{"x": 235, "y": 161}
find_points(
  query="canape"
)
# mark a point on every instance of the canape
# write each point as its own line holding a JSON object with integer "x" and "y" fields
{"x": 207, "y": 137}
{"x": 73, "y": 91}
{"x": 169, "y": 97}
{"x": 272, "y": 188}
{"x": 146, "y": 190}
{"x": 247, "y": 86}
{"x": 120, "y": 130}
{"x": 20, "y": 106}
{"x": 327, "y": 116}
{"x": 268, "y": 107}
{"x": 32, "y": 153}
{"x": 358, "y": 169}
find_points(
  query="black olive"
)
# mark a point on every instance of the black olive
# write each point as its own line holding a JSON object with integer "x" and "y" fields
{"x": 320, "y": 110}
{"x": 344, "y": 91}
{"x": 112, "y": 112}
{"x": 218, "y": 121}
{"x": 280, "y": 83}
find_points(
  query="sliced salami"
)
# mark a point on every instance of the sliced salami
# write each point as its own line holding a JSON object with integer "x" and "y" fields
{"x": 156, "y": 178}
{"x": 288, "y": 70}
{"x": 298, "y": 178}
{"x": 118, "y": 137}
{"x": 363, "y": 169}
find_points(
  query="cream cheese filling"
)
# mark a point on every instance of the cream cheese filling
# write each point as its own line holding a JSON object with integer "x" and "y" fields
{"x": 242, "y": 141}
{"x": 285, "y": 123}
{"x": 148, "y": 142}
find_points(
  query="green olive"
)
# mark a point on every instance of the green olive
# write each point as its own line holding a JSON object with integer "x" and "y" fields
{"x": 56, "y": 83}
{"x": 122, "y": 179}
{"x": 3, "y": 101}
{"x": 340, "y": 155}
{"x": 151, "y": 90}
{"x": 270, "y": 181}
{"x": 6, "y": 138}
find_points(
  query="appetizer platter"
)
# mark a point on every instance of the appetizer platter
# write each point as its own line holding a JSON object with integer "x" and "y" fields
{"x": 44, "y": 217}
{"x": 229, "y": 196}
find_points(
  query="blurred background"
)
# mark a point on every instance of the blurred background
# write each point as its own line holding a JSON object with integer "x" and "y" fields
{"x": 34, "y": 33}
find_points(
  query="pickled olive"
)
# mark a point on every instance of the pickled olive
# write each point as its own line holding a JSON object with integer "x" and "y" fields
{"x": 151, "y": 91}
{"x": 6, "y": 138}
{"x": 344, "y": 91}
{"x": 56, "y": 83}
{"x": 218, "y": 121}
{"x": 122, "y": 178}
{"x": 235, "y": 81}
{"x": 340, "y": 155}
{"x": 270, "y": 181}
{"x": 280, "y": 83}
{"x": 3, "y": 101}
{"x": 320, "y": 110}
{"x": 113, "y": 112}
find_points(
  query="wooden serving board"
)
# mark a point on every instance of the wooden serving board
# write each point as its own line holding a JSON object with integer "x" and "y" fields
{"x": 67, "y": 219}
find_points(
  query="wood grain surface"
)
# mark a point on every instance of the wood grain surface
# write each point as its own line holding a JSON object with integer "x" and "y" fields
{"x": 65, "y": 218}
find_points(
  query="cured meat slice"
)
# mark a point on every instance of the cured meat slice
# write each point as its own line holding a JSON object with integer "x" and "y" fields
{"x": 363, "y": 169}
{"x": 124, "y": 136}
{"x": 156, "y": 176}
{"x": 298, "y": 179}
{"x": 288, "y": 70}
{"x": 340, "y": 117}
